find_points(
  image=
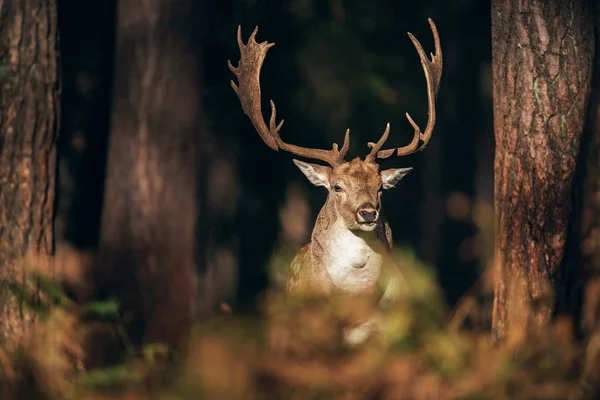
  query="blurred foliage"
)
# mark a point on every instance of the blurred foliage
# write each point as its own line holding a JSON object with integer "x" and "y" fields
{"x": 293, "y": 350}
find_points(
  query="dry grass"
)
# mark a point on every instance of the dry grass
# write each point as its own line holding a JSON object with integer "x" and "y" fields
{"x": 294, "y": 351}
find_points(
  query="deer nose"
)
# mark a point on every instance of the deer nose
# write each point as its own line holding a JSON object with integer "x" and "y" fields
{"x": 367, "y": 214}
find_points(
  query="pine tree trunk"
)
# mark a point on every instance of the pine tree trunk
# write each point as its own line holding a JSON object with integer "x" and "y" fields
{"x": 28, "y": 132}
{"x": 150, "y": 211}
{"x": 542, "y": 67}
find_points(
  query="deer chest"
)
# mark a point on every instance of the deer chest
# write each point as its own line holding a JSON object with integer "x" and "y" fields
{"x": 353, "y": 265}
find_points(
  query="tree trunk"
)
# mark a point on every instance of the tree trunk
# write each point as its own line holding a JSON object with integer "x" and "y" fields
{"x": 28, "y": 132}
{"x": 590, "y": 215}
{"x": 147, "y": 239}
{"x": 542, "y": 55}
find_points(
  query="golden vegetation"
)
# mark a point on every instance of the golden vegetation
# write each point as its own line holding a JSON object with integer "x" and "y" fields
{"x": 292, "y": 350}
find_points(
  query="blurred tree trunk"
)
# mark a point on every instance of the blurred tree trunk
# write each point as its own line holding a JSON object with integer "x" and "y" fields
{"x": 589, "y": 231}
{"x": 590, "y": 216}
{"x": 147, "y": 239}
{"x": 28, "y": 132}
{"x": 542, "y": 55}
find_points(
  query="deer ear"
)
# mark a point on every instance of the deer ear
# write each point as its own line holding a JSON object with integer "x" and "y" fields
{"x": 391, "y": 177}
{"x": 317, "y": 174}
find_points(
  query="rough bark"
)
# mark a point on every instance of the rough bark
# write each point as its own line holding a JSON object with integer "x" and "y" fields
{"x": 542, "y": 63}
{"x": 28, "y": 132}
{"x": 149, "y": 217}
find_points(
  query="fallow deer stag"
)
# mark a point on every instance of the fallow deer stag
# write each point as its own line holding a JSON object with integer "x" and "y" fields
{"x": 350, "y": 240}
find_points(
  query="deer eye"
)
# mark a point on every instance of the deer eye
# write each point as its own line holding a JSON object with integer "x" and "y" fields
{"x": 338, "y": 188}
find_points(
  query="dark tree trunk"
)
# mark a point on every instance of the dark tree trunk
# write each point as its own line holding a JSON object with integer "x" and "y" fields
{"x": 589, "y": 243}
{"x": 542, "y": 55}
{"x": 150, "y": 209}
{"x": 590, "y": 214}
{"x": 28, "y": 132}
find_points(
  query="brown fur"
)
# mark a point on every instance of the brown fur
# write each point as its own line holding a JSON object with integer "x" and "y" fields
{"x": 362, "y": 183}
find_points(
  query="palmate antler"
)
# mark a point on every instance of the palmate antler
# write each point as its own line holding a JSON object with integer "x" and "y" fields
{"x": 248, "y": 91}
{"x": 252, "y": 56}
{"x": 433, "y": 75}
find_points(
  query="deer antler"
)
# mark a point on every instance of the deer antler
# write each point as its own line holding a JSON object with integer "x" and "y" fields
{"x": 433, "y": 74}
{"x": 252, "y": 56}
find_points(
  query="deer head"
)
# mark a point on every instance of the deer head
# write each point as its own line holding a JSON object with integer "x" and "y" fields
{"x": 354, "y": 186}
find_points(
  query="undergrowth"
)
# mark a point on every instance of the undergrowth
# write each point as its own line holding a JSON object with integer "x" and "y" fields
{"x": 293, "y": 350}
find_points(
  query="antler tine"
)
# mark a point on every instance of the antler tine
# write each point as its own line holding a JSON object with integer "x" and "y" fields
{"x": 375, "y": 147}
{"x": 433, "y": 75}
{"x": 345, "y": 146}
{"x": 252, "y": 56}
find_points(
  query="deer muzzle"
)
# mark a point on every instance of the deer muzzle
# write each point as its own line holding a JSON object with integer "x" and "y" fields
{"x": 367, "y": 214}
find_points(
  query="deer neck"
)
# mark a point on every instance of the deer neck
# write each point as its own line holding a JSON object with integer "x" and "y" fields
{"x": 351, "y": 259}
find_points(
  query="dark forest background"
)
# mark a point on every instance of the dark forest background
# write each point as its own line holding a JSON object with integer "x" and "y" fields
{"x": 336, "y": 65}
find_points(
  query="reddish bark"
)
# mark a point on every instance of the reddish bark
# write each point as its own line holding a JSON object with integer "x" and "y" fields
{"x": 542, "y": 69}
{"x": 28, "y": 132}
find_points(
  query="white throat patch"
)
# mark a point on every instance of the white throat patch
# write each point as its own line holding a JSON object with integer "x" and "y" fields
{"x": 352, "y": 264}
